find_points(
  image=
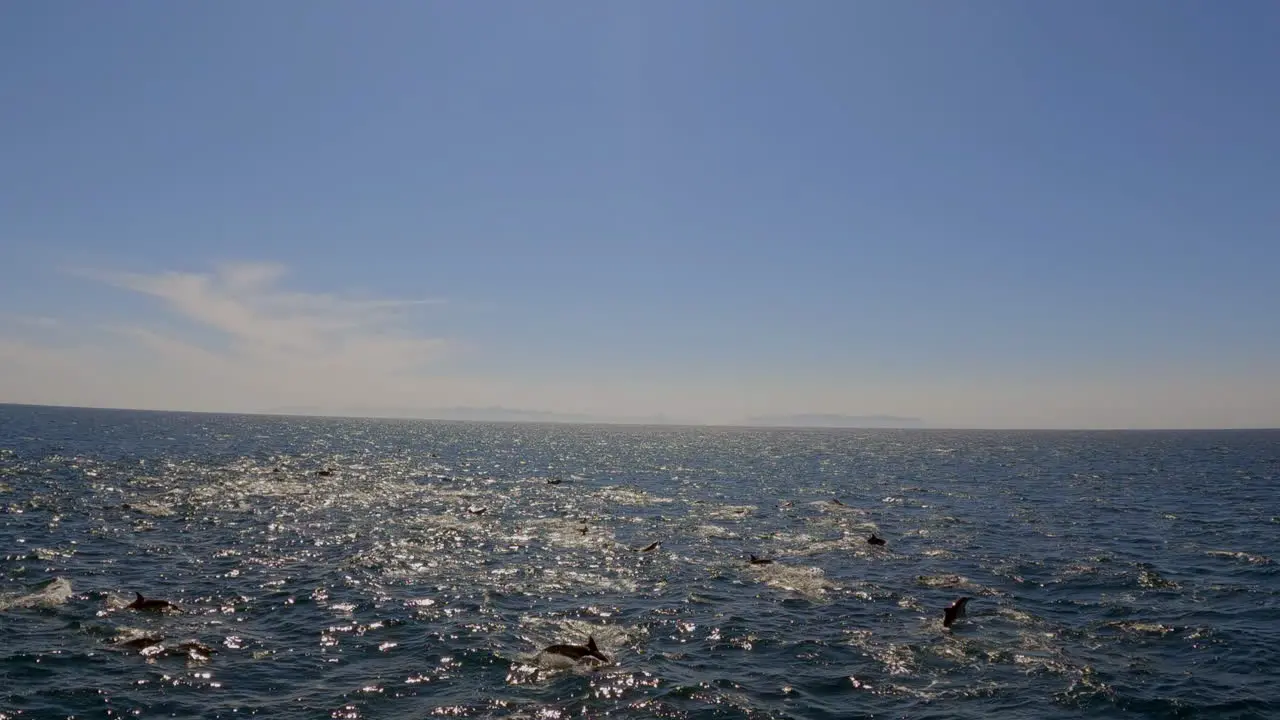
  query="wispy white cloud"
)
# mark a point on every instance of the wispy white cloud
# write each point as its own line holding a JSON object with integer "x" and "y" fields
{"x": 245, "y": 303}
{"x": 245, "y": 338}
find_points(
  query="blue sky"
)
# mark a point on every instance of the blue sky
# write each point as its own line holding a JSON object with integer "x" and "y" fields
{"x": 982, "y": 214}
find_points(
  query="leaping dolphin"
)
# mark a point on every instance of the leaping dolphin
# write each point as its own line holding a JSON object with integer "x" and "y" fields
{"x": 577, "y": 653}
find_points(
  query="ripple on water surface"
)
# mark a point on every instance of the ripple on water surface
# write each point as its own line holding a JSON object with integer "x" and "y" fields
{"x": 364, "y": 569}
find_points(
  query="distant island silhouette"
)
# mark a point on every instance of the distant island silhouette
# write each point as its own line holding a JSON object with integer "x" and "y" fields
{"x": 835, "y": 420}
{"x": 496, "y": 413}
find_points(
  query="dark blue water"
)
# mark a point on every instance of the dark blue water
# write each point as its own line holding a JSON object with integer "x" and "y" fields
{"x": 1112, "y": 574}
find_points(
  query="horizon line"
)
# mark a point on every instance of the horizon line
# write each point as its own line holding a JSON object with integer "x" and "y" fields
{"x": 931, "y": 428}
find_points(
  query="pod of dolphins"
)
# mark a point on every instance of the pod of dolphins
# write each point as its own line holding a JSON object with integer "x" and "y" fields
{"x": 951, "y": 613}
{"x": 589, "y": 652}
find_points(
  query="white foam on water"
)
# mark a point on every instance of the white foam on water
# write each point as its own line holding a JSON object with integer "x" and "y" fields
{"x": 53, "y": 594}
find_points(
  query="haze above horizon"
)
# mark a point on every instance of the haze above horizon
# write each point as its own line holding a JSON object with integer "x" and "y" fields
{"x": 983, "y": 214}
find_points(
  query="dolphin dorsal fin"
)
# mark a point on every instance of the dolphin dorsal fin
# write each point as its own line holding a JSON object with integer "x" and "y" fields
{"x": 140, "y": 598}
{"x": 591, "y": 643}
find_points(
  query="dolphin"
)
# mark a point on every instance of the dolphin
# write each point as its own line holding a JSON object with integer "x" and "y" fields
{"x": 651, "y": 546}
{"x": 577, "y": 652}
{"x": 760, "y": 561}
{"x": 147, "y": 604}
{"x": 873, "y": 540}
{"x": 954, "y": 612}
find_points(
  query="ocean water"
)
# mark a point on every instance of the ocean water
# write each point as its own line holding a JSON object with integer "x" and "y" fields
{"x": 1126, "y": 575}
